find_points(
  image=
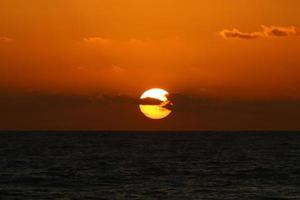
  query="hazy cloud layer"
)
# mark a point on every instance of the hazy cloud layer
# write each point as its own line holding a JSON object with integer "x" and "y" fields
{"x": 138, "y": 46}
{"x": 34, "y": 101}
{"x": 5, "y": 39}
{"x": 267, "y": 31}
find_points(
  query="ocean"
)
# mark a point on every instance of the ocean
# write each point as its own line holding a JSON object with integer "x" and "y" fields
{"x": 150, "y": 165}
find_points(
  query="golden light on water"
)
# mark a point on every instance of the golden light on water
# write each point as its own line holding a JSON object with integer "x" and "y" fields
{"x": 155, "y": 111}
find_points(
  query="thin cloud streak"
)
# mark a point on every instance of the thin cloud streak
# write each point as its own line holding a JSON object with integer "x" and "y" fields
{"x": 97, "y": 40}
{"x": 277, "y": 31}
{"x": 266, "y": 32}
{"x": 235, "y": 33}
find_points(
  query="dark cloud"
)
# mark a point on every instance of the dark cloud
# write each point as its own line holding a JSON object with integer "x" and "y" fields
{"x": 117, "y": 99}
{"x": 44, "y": 111}
{"x": 267, "y": 31}
{"x": 198, "y": 104}
{"x": 150, "y": 101}
{"x": 35, "y": 101}
{"x": 43, "y": 102}
{"x": 121, "y": 112}
{"x": 32, "y": 102}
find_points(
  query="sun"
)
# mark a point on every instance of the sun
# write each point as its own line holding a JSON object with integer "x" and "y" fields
{"x": 160, "y": 110}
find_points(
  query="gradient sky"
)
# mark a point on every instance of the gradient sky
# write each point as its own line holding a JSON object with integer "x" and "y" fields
{"x": 81, "y": 64}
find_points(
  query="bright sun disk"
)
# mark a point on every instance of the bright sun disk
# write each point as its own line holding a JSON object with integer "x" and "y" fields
{"x": 155, "y": 93}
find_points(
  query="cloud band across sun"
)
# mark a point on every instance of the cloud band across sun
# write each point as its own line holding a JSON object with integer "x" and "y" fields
{"x": 266, "y": 32}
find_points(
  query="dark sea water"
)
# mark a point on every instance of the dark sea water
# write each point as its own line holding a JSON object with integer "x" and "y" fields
{"x": 150, "y": 165}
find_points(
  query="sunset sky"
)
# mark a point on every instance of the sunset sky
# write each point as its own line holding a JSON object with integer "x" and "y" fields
{"x": 82, "y": 64}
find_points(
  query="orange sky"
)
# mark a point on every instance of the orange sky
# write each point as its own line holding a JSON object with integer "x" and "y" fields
{"x": 224, "y": 50}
